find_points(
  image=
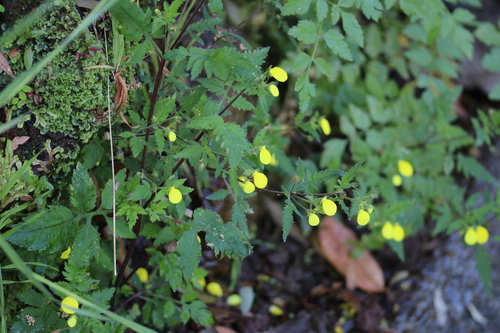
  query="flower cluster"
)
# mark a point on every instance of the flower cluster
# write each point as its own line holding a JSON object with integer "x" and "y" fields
{"x": 280, "y": 75}
{"x": 478, "y": 235}
{"x": 69, "y": 306}
{"x": 329, "y": 207}
{"x": 259, "y": 181}
{"x": 393, "y": 231}
{"x": 405, "y": 169}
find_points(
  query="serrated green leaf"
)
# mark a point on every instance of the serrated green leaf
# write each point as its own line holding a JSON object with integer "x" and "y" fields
{"x": 192, "y": 152}
{"x": 306, "y": 31}
{"x": 335, "y": 14}
{"x": 190, "y": 250}
{"x": 321, "y": 10}
{"x": 487, "y": 33}
{"x": 372, "y": 9}
{"x": 82, "y": 190}
{"x": 92, "y": 154}
{"x": 491, "y": 61}
{"x": 134, "y": 22}
{"x": 352, "y": 28}
{"x": 219, "y": 195}
{"x": 207, "y": 122}
{"x": 323, "y": 66}
{"x": 346, "y": 3}
{"x": 32, "y": 297}
{"x": 483, "y": 265}
{"x": 287, "y": 218}
{"x": 471, "y": 167}
{"x": 213, "y": 85}
{"x": 337, "y": 45}
{"x": 233, "y": 138}
{"x": 494, "y": 94}
{"x": 164, "y": 107}
{"x": 215, "y": 6}
{"x": 141, "y": 192}
{"x": 293, "y": 7}
{"x": 301, "y": 61}
{"x": 346, "y": 179}
{"x": 160, "y": 140}
{"x": 107, "y": 195}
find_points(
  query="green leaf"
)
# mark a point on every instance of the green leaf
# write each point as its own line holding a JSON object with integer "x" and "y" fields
{"x": 483, "y": 264}
{"x": 82, "y": 190}
{"x": 233, "y": 137}
{"x": 305, "y": 31}
{"x": 134, "y": 22}
{"x": 190, "y": 250}
{"x": 321, "y": 10}
{"x": 346, "y": 179}
{"x": 372, "y": 9}
{"x": 494, "y": 94}
{"x": 471, "y": 167}
{"x": 335, "y": 14}
{"x": 32, "y": 297}
{"x": 335, "y": 42}
{"x": 352, "y": 28}
{"x": 287, "y": 218}
{"x": 47, "y": 231}
{"x": 491, "y": 61}
{"x": 164, "y": 108}
{"x": 207, "y": 122}
{"x": 215, "y": 6}
{"x": 323, "y": 66}
{"x": 219, "y": 195}
{"x": 301, "y": 61}
{"x": 141, "y": 192}
{"x": 293, "y": 7}
{"x": 488, "y": 34}
{"x": 92, "y": 154}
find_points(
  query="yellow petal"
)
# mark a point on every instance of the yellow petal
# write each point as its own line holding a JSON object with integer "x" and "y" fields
{"x": 259, "y": 179}
{"x": 72, "y": 321}
{"x": 274, "y": 161}
{"x": 65, "y": 254}
{"x": 405, "y": 168}
{"x": 313, "y": 220}
{"x": 198, "y": 238}
{"x": 248, "y": 187}
{"x": 399, "y": 233}
{"x": 69, "y": 305}
{"x": 470, "y": 237}
{"x": 265, "y": 156}
{"x": 363, "y": 217}
{"x": 143, "y": 274}
{"x": 325, "y": 126}
{"x": 202, "y": 282}
{"x": 388, "y": 230}
{"x": 215, "y": 289}
{"x": 174, "y": 195}
{"x": 482, "y": 234}
{"x": 329, "y": 207}
{"x": 273, "y": 90}
{"x": 234, "y": 300}
{"x": 279, "y": 74}
{"x": 172, "y": 136}
{"x": 397, "y": 180}
{"x": 275, "y": 310}
{"x": 242, "y": 180}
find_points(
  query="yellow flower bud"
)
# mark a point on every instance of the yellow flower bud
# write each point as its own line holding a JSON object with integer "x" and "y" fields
{"x": 69, "y": 305}
{"x": 72, "y": 321}
{"x": 215, "y": 289}
{"x": 388, "y": 230}
{"x": 198, "y": 238}
{"x": 143, "y": 274}
{"x": 275, "y": 310}
{"x": 470, "y": 237}
{"x": 248, "y": 187}
{"x": 234, "y": 300}
{"x": 363, "y": 217}
{"x": 174, "y": 195}
{"x": 397, "y": 180}
{"x": 399, "y": 233}
{"x": 482, "y": 234}
{"x": 172, "y": 136}
{"x": 313, "y": 220}
{"x": 329, "y": 207}
{"x": 279, "y": 74}
{"x": 405, "y": 168}
{"x": 259, "y": 179}
{"x": 65, "y": 254}
{"x": 274, "y": 161}
{"x": 273, "y": 90}
{"x": 202, "y": 282}
{"x": 265, "y": 156}
{"x": 325, "y": 126}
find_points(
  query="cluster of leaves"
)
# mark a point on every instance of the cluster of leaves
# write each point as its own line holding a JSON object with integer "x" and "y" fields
{"x": 378, "y": 72}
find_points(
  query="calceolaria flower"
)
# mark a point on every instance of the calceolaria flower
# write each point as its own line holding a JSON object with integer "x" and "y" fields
{"x": 279, "y": 74}
{"x": 482, "y": 234}
{"x": 259, "y": 179}
{"x": 69, "y": 305}
{"x": 174, "y": 195}
{"x": 143, "y": 274}
{"x": 274, "y": 161}
{"x": 275, "y": 310}
{"x": 397, "y": 180}
{"x": 234, "y": 300}
{"x": 470, "y": 237}
{"x": 393, "y": 231}
{"x": 329, "y": 207}
{"x": 313, "y": 220}
{"x": 172, "y": 136}
{"x": 405, "y": 168}
{"x": 215, "y": 289}
{"x": 363, "y": 217}
{"x": 72, "y": 321}
{"x": 265, "y": 156}
{"x": 325, "y": 126}
{"x": 273, "y": 90}
{"x": 479, "y": 235}
{"x": 65, "y": 254}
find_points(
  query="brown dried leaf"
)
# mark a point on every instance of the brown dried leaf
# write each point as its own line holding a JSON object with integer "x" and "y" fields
{"x": 336, "y": 242}
{"x": 223, "y": 329}
{"x": 121, "y": 97}
{"x": 19, "y": 140}
{"x": 4, "y": 65}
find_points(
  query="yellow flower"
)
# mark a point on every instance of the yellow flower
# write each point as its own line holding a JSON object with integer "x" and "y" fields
{"x": 242, "y": 180}
{"x": 174, "y": 195}
{"x": 259, "y": 179}
{"x": 405, "y": 168}
{"x": 69, "y": 305}
{"x": 215, "y": 289}
{"x": 482, "y": 234}
{"x": 279, "y": 74}
{"x": 273, "y": 90}
{"x": 265, "y": 156}
{"x": 172, "y": 136}
{"x": 202, "y": 282}
{"x": 388, "y": 230}
{"x": 325, "y": 126}
{"x": 65, "y": 254}
{"x": 143, "y": 274}
{"x": 329, "y": 207}
{"x": 234, "y": 300}
{"x": 248, "y": 187}
{"x": 275, "y": 310}
{"x": 313, "y": 220}
{"x": 274, "y": 161}
{"x": 470, "y": 237}
{"x": 397, "y": 180}
{"x": 399, "y": 233}
{"x": 363, "y": 217}
{"x": 72, "y": 321}
{"x": 198, "y": 238}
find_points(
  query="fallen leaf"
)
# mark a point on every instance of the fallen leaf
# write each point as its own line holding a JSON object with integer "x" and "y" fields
{"x": 476, "y": 315}
{"x": 223, "y": 329}
{"x": 4, "y": 65}
{"x": 336, "y": 241}
{"x": 19, "y": 140}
